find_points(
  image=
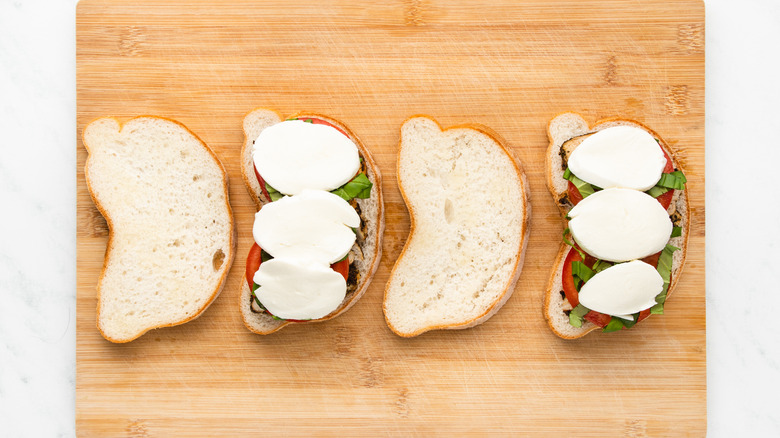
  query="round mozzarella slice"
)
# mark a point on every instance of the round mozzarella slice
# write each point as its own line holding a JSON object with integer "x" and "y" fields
{"x": 622, "y": 289}
{"x": 295, "y": 155}
{"x": 292, "y": 289}
{"x": 313, "y": 225}
{"x": 620, "y": 225}
{"x": 621, "y": 156}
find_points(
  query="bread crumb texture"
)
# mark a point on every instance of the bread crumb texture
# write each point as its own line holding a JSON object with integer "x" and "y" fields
{"x": 164, "y": 195}
{"x": 467, "y": 202}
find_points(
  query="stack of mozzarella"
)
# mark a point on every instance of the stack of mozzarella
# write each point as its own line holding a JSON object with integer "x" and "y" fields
{"x": 621, "y": 223}
{"x": 308, "y": 229}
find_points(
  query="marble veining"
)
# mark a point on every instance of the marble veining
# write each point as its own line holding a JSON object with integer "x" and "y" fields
{"x": 38, "y": 237}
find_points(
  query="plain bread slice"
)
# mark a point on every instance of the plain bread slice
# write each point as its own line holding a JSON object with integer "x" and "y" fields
{"x": 164, "y": 195}
{"x": 468, "y": 202}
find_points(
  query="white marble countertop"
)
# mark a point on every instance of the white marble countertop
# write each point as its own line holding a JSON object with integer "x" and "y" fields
{"x": 38, "y": 122}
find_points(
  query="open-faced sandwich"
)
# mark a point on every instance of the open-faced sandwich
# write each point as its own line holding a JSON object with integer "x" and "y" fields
{"x": 468, "y": 202}
{"x": 625, "y": 199}
{"x": 318, "y": 231}
{"x": 171, "y": 240}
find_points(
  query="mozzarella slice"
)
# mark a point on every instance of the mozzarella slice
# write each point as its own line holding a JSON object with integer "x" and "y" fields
{"x": 620, "y": 225}
{"x": 622, "y": 289}
{"x": 621, "y": 156}
{"x": 292, "y": 289}
{"x": 294, "y": 155}
{"x": 313, "y": 225}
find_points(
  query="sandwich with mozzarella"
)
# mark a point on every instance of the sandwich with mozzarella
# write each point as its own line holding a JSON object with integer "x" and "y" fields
{"x": 625, "y": 199}
{"x": 318, "y": 231}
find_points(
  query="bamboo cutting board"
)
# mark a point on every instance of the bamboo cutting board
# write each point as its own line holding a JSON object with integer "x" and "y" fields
{"x": 506, "y": 64}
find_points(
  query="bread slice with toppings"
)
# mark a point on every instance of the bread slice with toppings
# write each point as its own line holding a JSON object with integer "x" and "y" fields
{"x": 565, "y": 133}
{"x": 469, "y": 206}
{"x": 171, "y": 242}
{"x": 365, "y": 254}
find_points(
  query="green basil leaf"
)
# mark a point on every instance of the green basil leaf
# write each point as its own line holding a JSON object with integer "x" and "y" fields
{"x": 614, "y": 325}
{"x": 257, "y": 301}
{"x": 676, "y": 231}
{"x": 264, "y": 256}
{"x": 566, "y": 232}
{"x": 576, "y": 314}
{"x": 657, "y": 191}
{"x": 308, "y": 121}
{"x": 675, "y": 180}
{"x": 365, "y": 194}
{"x": 665, "y": 263}
{"x": 358, "y": 187}
{"x": 628, "y": 324}
{"x": 584, "y": 188}
{"x": 664, "y": 268}
{"x": 274, "y": 194}
{"x": 600, "y": 265}
{"x": 580, "y": 270}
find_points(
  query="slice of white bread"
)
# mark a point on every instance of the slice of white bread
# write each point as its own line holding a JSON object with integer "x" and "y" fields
{"x": 171, "y": 241}
{"x": 369, "y": 239}
{"x": 468, "y": 202}
{"x": 565, "y": 132}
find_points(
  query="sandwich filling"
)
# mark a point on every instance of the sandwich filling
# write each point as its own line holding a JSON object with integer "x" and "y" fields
{"x": 618, "y": 269}
{"x": 307, "y": 237}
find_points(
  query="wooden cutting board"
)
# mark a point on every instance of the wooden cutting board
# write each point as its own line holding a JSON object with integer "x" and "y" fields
{"x": 510, "y": 65}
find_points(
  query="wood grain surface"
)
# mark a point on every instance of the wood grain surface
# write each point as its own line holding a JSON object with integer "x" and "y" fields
{"x": 510, "y": 65}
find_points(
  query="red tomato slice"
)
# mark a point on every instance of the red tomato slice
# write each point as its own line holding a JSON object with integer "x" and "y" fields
{"x": 262, "y": 183}
{"x": 652, "y": 260}
{"x": 342, "y": 268}
{"x": 568, "y": 280}
{"x": 600, "y": 319}
{"x": 570, "y": 290}
{"x": 323, "y": 122}
{"x": 666, "y": 199}
{"x": 669, "y": 168}
{"x": 574, "y": 194}
{"x": 253, "y": 261}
